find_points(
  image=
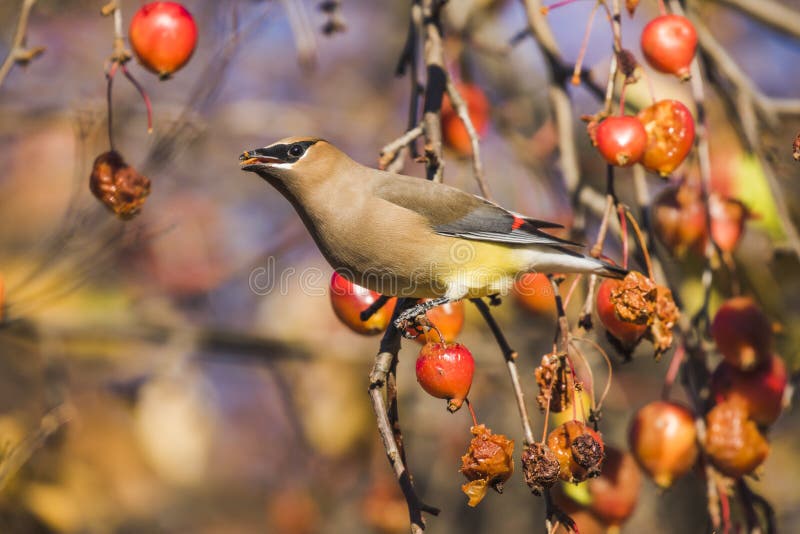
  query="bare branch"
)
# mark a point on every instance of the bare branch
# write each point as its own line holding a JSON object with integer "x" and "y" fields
{"x": 435, "y": 86}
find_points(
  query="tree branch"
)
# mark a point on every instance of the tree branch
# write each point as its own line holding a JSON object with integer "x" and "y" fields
{"x": 379, "y": 378}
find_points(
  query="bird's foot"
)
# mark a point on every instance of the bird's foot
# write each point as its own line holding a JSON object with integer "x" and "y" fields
{"x": 413, "y": 322}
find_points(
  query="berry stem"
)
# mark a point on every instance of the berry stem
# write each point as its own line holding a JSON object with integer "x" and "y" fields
{"x": 471, "y": 412}
{"x": 572, "y": 290}
{"x": 622, "y": 99}
{"x": 662, "y": 9}
{"x": 112, "y": 71}
{"x": 547, "y": 9}
{"x": 144, "y": 95}
{"x": 642, "y": 244}
{"x": 576, "y": 73}
{"x": 589, "y": 372}
{"x": 672, "y": 371}
{"x": 568, "y": 360}
{"x": 623, "y": 224}
{"x": 599, "y": 349}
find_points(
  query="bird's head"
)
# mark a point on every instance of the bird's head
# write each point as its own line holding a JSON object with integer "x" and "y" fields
{"x": 287, "y": 157}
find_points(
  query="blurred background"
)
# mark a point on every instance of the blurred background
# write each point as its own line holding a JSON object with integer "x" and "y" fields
{"x": 184, "y": 371}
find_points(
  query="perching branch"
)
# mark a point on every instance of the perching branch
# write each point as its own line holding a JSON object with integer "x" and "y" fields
{"x": 378, "y": 379}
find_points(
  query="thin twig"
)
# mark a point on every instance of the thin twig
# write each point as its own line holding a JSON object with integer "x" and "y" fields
{"x": 463, "y": 113}
{"x": 392, "y": 150}
{"x": 18, "y": 53}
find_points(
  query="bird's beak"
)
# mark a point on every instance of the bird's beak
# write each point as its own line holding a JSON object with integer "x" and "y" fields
{"x": 255, "y": 159}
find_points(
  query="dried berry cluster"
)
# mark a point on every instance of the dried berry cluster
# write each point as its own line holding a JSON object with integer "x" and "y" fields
{"x": 637, "y": 308}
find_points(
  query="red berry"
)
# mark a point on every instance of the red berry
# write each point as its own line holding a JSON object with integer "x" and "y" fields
{"x": 679, "y": 219}
{"x": 615, "y": 492}
{"x": 163, "y": 36}
{"x": 742, "y": 332}
{"x": 670, "y": 135}
{"x": 662, "y": 438}
{"x": 349, "y": 300}
{"x": 626, "y": 332}
{"x": 621, "y": 140}
{"x": 445, "y": 371}
{"x": 728, "y": 216}
{"x": 669, "y": 43}
{"x": 448, "y": 320}
{"x": 578, "y": 449}
{"x": 453, "y": 130}
{"x": 760, "y": 390}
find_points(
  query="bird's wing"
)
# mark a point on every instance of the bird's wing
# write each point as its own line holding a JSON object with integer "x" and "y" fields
{"x": 453, "y": 212}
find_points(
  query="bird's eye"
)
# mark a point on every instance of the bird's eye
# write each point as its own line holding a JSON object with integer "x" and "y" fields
{"x": 296, "y": 151}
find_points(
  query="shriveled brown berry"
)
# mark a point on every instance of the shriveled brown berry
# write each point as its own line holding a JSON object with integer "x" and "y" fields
{"x": 117, "y": 185}
{"x": 574, "y": 442}
{"x": 587, "y": 451}
{"x": 539, "y": 467}
{"x": 733, "y": 442}
{"x": 488, "y": 463}
{"x": 555, "y": 384}
{"x": 627, "y": 334}
{"x": 664, "y": 319}
{"x": 628, "y": 65}
{"x": 634, "y": 298}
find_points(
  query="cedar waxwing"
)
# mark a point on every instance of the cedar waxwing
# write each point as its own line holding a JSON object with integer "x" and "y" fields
{"x": 409, "y": 237}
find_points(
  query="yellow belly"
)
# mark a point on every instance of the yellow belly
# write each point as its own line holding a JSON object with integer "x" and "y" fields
{"x": 482, "y": 268}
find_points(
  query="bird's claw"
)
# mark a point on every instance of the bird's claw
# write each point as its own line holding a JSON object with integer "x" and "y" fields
{"x": 412, "y": 323}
